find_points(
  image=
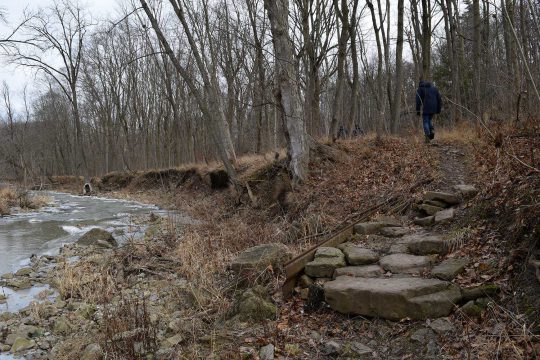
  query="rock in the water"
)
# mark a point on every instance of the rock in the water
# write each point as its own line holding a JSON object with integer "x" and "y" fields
{"x": 267, "y": 352}
{"x": 425, "y": 221}
{"x": 450, "y": 268}
{"x": 359, "y": 271}
{"x": 97, "y": 236}
{"x": 357, "y": 255}
{"x": 430, "y": 209}
{"x": 392, "y": 298}
{"x": 444, "y": 216}
{"x": 425, "y": 244}
{"x": 254, "y": 305}
{"x": 442, "y": 326}
{"x": 22, "y": 344}
{"x": 25, "y": 271}
{"x": 394, "y": 231}
{"x": 258, "y": 258}
{"x": 405, "y": 263}
{"x": 451, "y": 199}
{"x": 467, "y": 191}
{"x": 326, "y": 260}
{"x": 368, "y": 228}
{"x": 19, "y": 283}
{"x": 92, "y": 352}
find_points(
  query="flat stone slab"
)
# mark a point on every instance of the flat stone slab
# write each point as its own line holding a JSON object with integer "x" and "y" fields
{"x": 406, "y": 263}
{"x": 436, "y": 203}
{"x": 467, "y": 191}
{"x": 394, "y": 231}
{"x": 368, "y": 228}
{"x": 392, "y": 298}
{"x": 368, "y": 271}
{"x": 328, "y": 252}
{"x": 425, "y": 244}
{"x": 444, "y": 216}
{"x": 449, "y": 198}
{"x": 357, "y": 255}
{"x": 425, "y": 221}
{"x": 327, "y": 260}
{"x": 430, "y": 209}
{"x": 449, "y": 268}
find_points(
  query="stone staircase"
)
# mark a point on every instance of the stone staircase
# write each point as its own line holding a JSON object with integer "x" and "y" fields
{"x": 391, "y": 268}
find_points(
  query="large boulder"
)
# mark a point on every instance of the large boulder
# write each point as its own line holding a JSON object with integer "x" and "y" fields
{"x": 327, "y": 259}
{"x": 392, "y": 298}
{"x": 406, "y": 263}
{"x": 98, "y": 237}
{"x": 255, "y": 259}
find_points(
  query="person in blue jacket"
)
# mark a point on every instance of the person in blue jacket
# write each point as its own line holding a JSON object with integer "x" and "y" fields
{"x": 428, "y": 103}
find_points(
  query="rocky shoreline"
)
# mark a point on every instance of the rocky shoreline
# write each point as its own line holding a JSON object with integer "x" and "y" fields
{"x": 59, "y": 314}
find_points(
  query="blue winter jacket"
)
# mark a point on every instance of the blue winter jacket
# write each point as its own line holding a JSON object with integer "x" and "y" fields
{"x": 428, "y": 99}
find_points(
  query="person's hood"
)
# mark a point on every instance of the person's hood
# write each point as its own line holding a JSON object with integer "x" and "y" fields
{"x": 424, "y": 83}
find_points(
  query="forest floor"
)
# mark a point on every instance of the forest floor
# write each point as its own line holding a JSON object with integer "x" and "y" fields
{"x": 173, "y": 293}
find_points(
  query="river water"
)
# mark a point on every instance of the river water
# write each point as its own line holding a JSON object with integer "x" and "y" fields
{"x": 64, "y": 221}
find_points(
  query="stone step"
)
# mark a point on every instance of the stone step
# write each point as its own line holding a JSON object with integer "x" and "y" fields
{"x": 444, "y": 216}
{"x": 406, "y": 263}
{"x": 425, "y": 244}
{"x": 425, "y": 221}
{"x": 449, "y": 198}
{"x": 357, "y": 255}
{"x": 366, "y": 271}
{"x": 394, "y": 231}
{"x": 392, "y": 298}
{"x": 467, "y": 191}
{"x": 327, "y": 260}
{"x": 430, "y": 209}
{"x": 449, "y": 268}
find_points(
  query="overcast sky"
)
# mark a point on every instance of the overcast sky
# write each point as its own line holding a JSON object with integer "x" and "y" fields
{"x": 18, "y": 77}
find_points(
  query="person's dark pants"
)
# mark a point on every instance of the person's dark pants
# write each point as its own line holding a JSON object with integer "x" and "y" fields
{"x": 428, "y": 125}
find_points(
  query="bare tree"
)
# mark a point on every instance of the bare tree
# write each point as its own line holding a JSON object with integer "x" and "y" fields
{"x": 287, "y": 92}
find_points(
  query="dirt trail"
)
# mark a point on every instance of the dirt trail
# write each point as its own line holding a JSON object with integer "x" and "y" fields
{"x": 453, "y": 166}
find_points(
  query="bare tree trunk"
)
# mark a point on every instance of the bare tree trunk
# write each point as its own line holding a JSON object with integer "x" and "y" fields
{"x": 287, "y": 95}
{"x": 396, "y": 105}
{"x": 343, "y": 18}
{"x": 426, "y": 40}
